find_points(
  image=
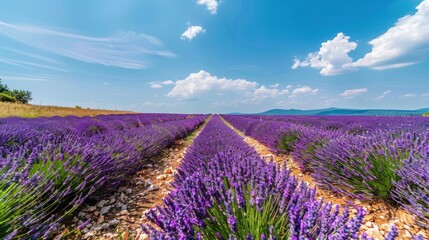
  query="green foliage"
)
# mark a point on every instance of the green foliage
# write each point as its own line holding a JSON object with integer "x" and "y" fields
{"x": 58, "y": 172}
{"x": 20, "y": 96}
{"x": 13, "y": 199}
{"x": 18, "y": 199}
{"x": 3, "y": 87}
{"x": 78, "y": 107}
{"x": 288, "y": 141}
{"x": 383, "y": 172}
{"x": 5, "y": 97}
{"x": 249, "y": 219}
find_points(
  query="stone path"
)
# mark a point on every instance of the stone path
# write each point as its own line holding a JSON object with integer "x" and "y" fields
{"x": 120, "y": 215}
{"x": 380, "y": 216}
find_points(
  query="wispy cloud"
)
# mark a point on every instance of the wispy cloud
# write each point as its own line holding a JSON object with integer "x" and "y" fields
{"x": 29, "y": 54}
{"x": 126, "y": 50}
{"x": 351, "y": 93}
{"x": 26, "y": 78}
{"x": 161, "y": 84}
{"x": 409, "y": 95}
{"x": 156, "y": 85}
{"x": 383, "y": 95}
{"x": 25, "y": 64}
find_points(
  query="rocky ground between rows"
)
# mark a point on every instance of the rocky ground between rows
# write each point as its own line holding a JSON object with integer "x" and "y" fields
{"x": 120, "y": 215}
{"x": 380, "y": 216}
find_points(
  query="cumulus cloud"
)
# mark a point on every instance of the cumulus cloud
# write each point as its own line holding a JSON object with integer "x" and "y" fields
{"x": 274, "y": 85}
{"x": 211, "y": 5}
{"x": 126, "y": 49}
{"x": 263, "y": 92}
{"x": 383, "y": 95}
{"x": 353, "y": 92}
{"x": 202, "y": 81}
{"x": 404, "y": 44}
{"x": 332, "y": 57}
{"x": 192, "y": 32}
{"x": 303, "y": 91}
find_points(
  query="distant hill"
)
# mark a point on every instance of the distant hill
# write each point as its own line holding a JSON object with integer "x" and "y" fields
{"x": 348, "y": 112}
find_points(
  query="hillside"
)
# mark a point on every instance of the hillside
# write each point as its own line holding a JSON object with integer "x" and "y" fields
{"x": 31, "y": 111}
{"x": 351, "y": 112}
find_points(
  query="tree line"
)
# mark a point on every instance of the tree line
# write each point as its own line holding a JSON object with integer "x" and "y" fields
{"x": 15, "y": 96}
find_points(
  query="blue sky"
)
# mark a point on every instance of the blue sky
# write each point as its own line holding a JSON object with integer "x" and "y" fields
{"x": 217, "y": 56}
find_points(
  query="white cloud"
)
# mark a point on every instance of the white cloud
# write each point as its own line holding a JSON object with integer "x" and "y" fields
{"x": 161, "y": 84}
{"x": 332, "y": 57}
{"x": 263, "y": 92}
{"x": 383, "y": 95}
{"x": 331, "y": 101}
{"x": 27, "y": 78}
{"x": 409, "y": 95}
{"x": 202, "y": 81}
{"x": 153, "y": 104}
{"x": 168, "y": 82}
{"x": 25, "y": 64}
{"x": 425, "y": 95}
{"x": 289, "y": 86}
{"x": 156, "y": 85}
{"x": 211, "y": 5}
{"x": 303, "y": 91}
{"x": 353, "y": 92}
{"x": 192, "y": 32}
{"x": 125, "y": 50}
{"x": 404, "y": 44}
{"x": 274, "y": 85}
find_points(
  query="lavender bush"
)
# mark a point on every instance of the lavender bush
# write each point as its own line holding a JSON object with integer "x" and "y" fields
{"x": 48, "y": 168}
{"x": 224, "y": 190}
{"x": 362, "y": 157}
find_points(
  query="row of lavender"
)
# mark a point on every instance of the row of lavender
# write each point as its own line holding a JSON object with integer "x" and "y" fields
{"x": 352, "y": 124}
{"x": 50, "y": 166}
{"x": 225, "y": 190}
{"x": 387, "y": 160}
{"x": 18, "y": 131}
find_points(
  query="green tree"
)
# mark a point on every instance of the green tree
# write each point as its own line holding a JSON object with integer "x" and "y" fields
{"x": 22, "y": 96}
{"x": 7, "y": 95}
{"x": 3, "y": 87}
{"x": 4, "y": 97}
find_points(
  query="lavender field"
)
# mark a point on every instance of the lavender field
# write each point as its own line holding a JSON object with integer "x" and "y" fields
{"x": 55, "y": 169}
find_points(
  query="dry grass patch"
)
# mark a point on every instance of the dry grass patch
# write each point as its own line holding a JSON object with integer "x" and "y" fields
{"x": 32, "y": 111}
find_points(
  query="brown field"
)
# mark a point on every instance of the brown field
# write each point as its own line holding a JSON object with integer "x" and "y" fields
{"x": 32, "y": 111}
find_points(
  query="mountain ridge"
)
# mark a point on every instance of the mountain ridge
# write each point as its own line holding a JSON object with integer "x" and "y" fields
{"x": 346, "y": 112}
